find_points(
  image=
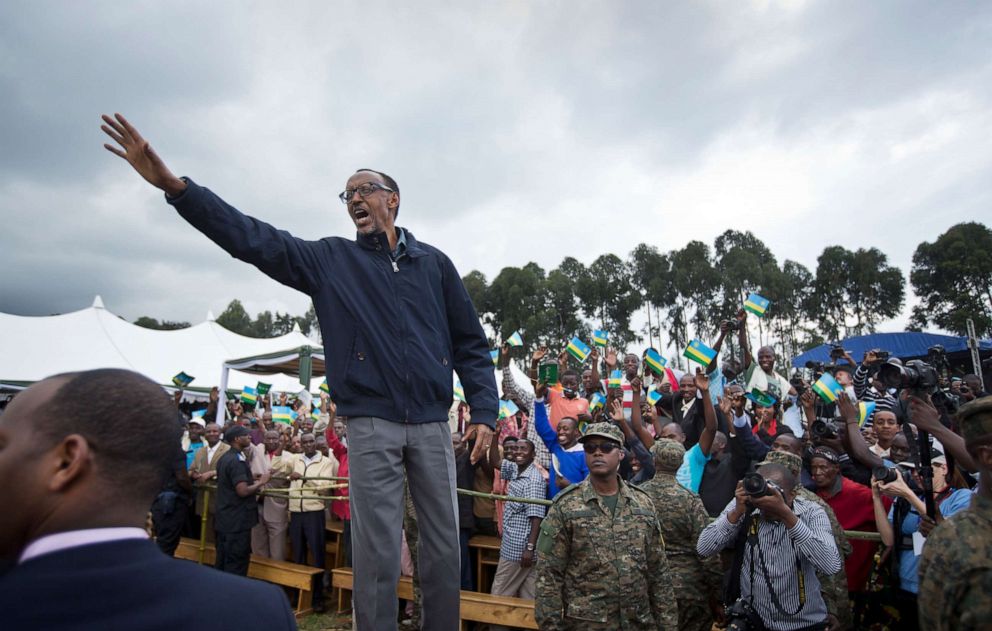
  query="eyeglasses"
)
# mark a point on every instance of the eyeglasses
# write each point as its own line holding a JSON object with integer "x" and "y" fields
{"x": 606, "y": 448}
{"x": 364, "y": 190}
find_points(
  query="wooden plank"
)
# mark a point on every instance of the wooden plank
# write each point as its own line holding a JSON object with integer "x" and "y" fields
{"x": 279, "y": 572}
{"x": 484, "y": 541}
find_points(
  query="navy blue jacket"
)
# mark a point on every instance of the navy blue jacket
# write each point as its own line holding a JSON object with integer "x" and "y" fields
{"x": 392, "y": 334}
{"x": 131, "y": 585}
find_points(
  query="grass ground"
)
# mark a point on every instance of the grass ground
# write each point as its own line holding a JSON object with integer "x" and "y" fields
{"x": 325, "y": 622}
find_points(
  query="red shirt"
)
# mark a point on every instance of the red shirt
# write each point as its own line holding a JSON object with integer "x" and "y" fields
{"x": 340, "y": 509}
{"x": 855, "y": 511}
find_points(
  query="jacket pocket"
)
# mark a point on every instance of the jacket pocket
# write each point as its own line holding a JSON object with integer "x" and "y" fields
{"x": 363, "y": 375}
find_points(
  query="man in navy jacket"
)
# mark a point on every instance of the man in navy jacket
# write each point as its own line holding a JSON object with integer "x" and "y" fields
{"x": 83, "y": 455}
{"x": 396, "y": 320}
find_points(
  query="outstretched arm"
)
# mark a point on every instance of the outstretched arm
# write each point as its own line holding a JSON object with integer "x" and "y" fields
{"x": 709, "y": 414}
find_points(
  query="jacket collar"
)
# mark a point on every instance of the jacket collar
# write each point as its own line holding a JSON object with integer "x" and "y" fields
{"x": 378, "y": 241}
{"x": 589, "y": 494}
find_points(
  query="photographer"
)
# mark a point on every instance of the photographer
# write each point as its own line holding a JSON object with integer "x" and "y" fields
{"x": 877, "y": 391}
{"x": 780, "y": 541}
{"x": 907, "y": 517}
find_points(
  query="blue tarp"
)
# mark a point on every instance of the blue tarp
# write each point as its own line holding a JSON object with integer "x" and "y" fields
{"x": 902, "y": 345}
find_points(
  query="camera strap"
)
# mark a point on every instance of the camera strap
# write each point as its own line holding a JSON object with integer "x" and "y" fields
{"x": 752, "y": 538}
{"x": 732, "y": 590}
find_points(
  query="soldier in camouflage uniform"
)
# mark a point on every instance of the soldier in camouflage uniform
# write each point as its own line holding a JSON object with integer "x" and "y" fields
{"x": 601, "y": 556}
{"x": 696, "y": 581}
{"x": 833, "y": 587}
{"x": 956, "y": 567}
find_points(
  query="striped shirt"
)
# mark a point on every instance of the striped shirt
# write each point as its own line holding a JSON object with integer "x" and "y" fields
{"x": 774, "y": 562}
{"x": 882, "y": 398}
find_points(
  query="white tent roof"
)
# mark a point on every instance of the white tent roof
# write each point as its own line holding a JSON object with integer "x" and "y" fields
{"x": 36, "y": 347}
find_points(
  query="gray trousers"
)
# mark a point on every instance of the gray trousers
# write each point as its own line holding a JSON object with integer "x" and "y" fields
{"x": 378, "y": 452}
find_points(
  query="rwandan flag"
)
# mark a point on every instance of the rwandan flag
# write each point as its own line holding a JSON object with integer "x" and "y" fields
{"x": 515, "y": 340}
{"x": 283, "y": 414}
{"x": 756, "y": 305}
{"x": 655, "y": 361}
{"x": 324, "y": 387}
{"x": 865, "y": 410}
{"x": 459, "y": 391}
{"x": 616, "y": 379}
{"x": 598, "y": 401}
{"x": 507, "y": 409}
{"x": 249, "y": 396}
{"x": 182, "y": 380}
{"x": 763, "y": 399}
{"x": 699, "y": 353}
{"x": 828, "y": 388}
{"x": 495, "y": 356}
{"x": 315, "y": 414}
{"x": 654, "y": 396}
{"x": 600, "y": 338}
{"x": 262, "y": 388}
{"x": 199, "y": 413}
{"x": 578, "y": 349}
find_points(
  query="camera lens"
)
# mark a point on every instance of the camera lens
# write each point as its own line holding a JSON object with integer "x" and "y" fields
{"x": 754, "y": 484}
{"x": 884, "y": 474}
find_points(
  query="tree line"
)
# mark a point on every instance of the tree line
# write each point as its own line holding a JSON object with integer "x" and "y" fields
{"x": 686, "y": 292}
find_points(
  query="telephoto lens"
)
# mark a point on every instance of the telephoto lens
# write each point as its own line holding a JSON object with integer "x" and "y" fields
{"x": 755, "y": 485}
{"x": 823, "y": 429}
{"x": 884, "y": 474}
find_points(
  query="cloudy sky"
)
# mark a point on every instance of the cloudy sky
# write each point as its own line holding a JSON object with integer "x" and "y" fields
{"x": 518, "y": 131}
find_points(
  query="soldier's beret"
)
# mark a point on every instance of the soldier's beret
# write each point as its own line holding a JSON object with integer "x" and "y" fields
{"x": 668, "y": 454}
{"x": 975, "y": 419}
{"x": 604, "y": 430}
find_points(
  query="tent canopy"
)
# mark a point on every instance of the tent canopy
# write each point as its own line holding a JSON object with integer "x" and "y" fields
{"x": 906, "y": 345}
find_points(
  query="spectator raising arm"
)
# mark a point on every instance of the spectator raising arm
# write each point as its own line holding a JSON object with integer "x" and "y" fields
{"x": 854, "y": 443}
{"x": 926, "y": 417}
{"x": 709, "y": 414}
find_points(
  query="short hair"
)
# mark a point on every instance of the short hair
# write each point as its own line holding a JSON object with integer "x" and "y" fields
{"x": 781, "y": 472}
{"x": 510, "y": 439}
{"x": 390, "y": 182}
{"x": 571, "y": 372}
{"x": 130, "y": 423}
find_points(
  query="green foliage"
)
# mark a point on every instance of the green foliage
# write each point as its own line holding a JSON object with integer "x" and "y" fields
{"x": 164, "y": 325}
{"x": 953, "y": 279}
{"x": 236, "y": 319}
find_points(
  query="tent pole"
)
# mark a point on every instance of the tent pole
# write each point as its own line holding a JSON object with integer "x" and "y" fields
{"x": 222, "y": 401}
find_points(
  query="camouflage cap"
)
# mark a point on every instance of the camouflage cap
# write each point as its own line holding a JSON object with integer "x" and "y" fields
{"x": 789, "y": 460}
{"x": 975, "y": 419}
{"x": 605, "y": 430}
{"x": 668, "y": 454}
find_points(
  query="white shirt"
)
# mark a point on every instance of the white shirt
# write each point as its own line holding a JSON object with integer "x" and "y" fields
{"x": 75, "y": 538}
{"x": 211, "y": 451}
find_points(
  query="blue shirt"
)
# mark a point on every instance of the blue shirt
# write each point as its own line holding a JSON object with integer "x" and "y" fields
{"x": 191, "y": 452}
{"x": 570, "y": 465}
{"x": 908, "y": 561}
{"x": 690, "y": 474}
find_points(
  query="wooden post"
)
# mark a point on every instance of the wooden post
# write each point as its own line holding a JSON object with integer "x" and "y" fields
{"x": 203, "y": 524}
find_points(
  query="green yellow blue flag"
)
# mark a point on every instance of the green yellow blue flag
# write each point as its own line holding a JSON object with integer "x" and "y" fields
{"x": 262, "y": 388}
{"x": 578, "y": 349}
{"x": 182, "y": 380}
{"x": 865, "y": 410}
{"x": 324, "y": 387}
{"x": 828, "y": 388}
{"x": 600, "y": 338}
{"x": 756, "y": 305}
{"x": 516, "y": 339}
{"x": 763, "y": 399}
{"x": 283, "y": 414}
{"x": 616, "y": 379}
{"x": 654, "y": 396}
{"x": 699, "y": 352}
{"x": 315, "y": 413}
{"x": 459, "y": 391}
{"x": 495, "y": 356}
{"x": 249, "y": 395}
{"x": 597, "y": 401}
{"x": 655, "y": 361}
{"x": 507, "y": 409}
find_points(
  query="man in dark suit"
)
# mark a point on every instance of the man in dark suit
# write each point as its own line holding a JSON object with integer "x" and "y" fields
{"x": 83, "y": 455}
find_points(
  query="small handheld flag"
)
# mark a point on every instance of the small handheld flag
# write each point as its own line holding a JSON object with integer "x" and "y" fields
{"x": 516, "y": 339}
{"x": 495, "y": 356}
{"x": 598, "y": 401}
{"x": 616, "y": 379}
{"x": 828, "y": 388}
{"x": 262, "y": 388}
{"x": 249, "y": 396}
{"x": 507, "y": 409}
{"x": 654, "y": 396}
{"x": 324, "y": 387}
{"x": 283, "y": 414}
{"x": 459, "y": 391}
{"x": 865, "y": 410}
{"x": 199, "y": 413}
{"x": 182, "y": 380}
{"x": 699, "y": 352}
{"x": 315, "y": 414}
{"x": 548, "y": 374}
{"x": 655, "y": 361}
{"x": 756, "y": 305}
{"x": 578, "y": 349}
{"x": 600, "y": 338}
{"x": 763, "y": 399}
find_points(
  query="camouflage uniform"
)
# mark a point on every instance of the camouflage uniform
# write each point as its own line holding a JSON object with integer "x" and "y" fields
{"x": 833, "y": 587}
{"x": 956, "y": 566}
{"x": 602, "y": 571}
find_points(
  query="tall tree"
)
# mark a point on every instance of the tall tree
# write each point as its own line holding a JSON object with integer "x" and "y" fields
{"x": 691, "y": 309}
{"x": 856, "y": 291}
{"x": 609, "y": 299}
{"x": 744, "y": 264}
{"x": 953, "y": 279}
{"x": 235, "y": 318}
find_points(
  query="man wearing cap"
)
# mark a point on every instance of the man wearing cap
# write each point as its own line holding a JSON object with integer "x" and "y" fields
{"x": 237, "y": 511}
{"x": 956, "y": 565}
{"x": 601, "y": 556}
{"x": 696, "y": 581}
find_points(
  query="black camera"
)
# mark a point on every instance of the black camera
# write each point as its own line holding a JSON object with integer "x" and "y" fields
{"x": 797, "y": 383}
{"x": 756, "y": 485}
{"x": 915, "y": 375}
{"x": 885, "y": 474}
{"x": 741, "y": 616}
{"x": 824, "y": 429}
{"x": 733, "y": 325}
{"x": 837, "y": 351}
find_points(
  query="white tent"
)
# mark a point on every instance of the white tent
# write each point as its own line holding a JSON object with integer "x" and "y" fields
{"x": 36, "y": 347}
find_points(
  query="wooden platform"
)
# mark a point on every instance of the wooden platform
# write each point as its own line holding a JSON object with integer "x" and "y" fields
{"x": 475, "y": 607}
{"x": 298, "y": 577}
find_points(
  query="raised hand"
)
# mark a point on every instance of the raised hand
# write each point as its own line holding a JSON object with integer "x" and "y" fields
{"x": 539, "y": 354}
{"x": 723, "y": 403}
{"x": 616, "y": 410}
{"x": 924, "y": 415}
{"x": 702, "y": 381}
{"x": 611, "y": 359}
{"x": 140, "y": 155}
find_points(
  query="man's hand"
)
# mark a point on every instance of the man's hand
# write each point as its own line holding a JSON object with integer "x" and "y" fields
{"x": 724, "y": 326}
{"x": 538, "y": 354}
{"x": 702, "y": 381}
{"x": 926, "y": 525}
{"x": 527, "y": 558}
{"x": 925, "y": 416}
{"x": 264, "y": 478}
{"x": 723, "y": 404}
{"x": 483, "y": 436}
{"x": 611, "y": 359}
{"x": 741, "y": 316}
{"x": 870, "y": 358}
{"x": 896, "y": 488}
{"x": 594, "y": 356}
{"x": 504, "y": 355}
{"x": 208, "y": 475}
{"x": 636, "y": 388}
{"x": 214, "y": 394}
{"x": 295, "y": 476}
{"x": 616, "y": 410}
{"x": 773, "y": 506}
{"x": 140, "y": 155}
{"x": 740, "y": 503}
{"x": 177, "y": 396}
{"x": 846, "y": 408}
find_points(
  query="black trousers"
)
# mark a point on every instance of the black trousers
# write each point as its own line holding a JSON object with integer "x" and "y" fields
{"x": 169, "y": 517}
{"x": 233, "y": 552}
{"x": 306, "y": 531}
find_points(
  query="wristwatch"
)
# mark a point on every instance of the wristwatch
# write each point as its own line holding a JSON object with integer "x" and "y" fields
{"x": 530, "y": 547}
